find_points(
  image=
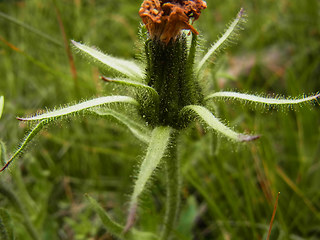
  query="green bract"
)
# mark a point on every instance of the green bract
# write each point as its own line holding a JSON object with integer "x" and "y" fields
{"x": 168, "y": 98}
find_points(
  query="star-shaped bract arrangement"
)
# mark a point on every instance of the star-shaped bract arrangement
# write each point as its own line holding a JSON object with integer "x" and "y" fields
{"x": 167, "y": 98}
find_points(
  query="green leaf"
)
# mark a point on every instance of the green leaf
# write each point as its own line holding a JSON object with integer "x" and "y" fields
{"x": 189, "y": 213}
{"x": 112, "y": 227}
{"x": 6, "y": 226}
{"x": 3, "y": 152}
{"x": 263, "y": 100}
{"x": 1, "y": 105}
{"x": 138, "y": 235}
{"x": 15, "y": 200}
{"x": 157, "y": 147}
{"x": 134, "y": 84}
{"x": 128, "y": 68}
{"x": 80, "y": 107}
{"x": 217, "y": 125}
{"x": 117, "y": 229}
{"x": 138, "y": 130}
{"x": 223, "y": 40}
{"x": 160, "y": 139}
{"x": 24, "y": 144}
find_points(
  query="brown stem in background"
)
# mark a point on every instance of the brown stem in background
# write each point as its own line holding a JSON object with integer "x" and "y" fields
{"x": 30, "y": 58}
{"x": 273, "y": 214}
{"x": 73, "y": 69}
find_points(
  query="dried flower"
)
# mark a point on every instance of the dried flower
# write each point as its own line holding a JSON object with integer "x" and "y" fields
{"x": 165, "y": 19}
{"x": 167, "y": 99}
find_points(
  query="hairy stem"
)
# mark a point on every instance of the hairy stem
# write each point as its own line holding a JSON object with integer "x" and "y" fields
{"x": 173, "y": 190}
{"x": 170, "y": 72}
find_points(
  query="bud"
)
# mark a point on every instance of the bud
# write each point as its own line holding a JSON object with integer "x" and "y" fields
{"x": 165, "y": 19}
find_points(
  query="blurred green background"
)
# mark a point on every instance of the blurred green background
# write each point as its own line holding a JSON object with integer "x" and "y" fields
{"x": 228, "y": 190}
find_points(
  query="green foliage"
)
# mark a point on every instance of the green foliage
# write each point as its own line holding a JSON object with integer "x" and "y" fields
{"x": 112, "y": 227}
{"x": 157, "y": 146}
{"x": 1, "y": 105}
{"x": 233, "y": 187}
{"x": 26, "y": 141}
{"x": 125, "y": 67}
{"x": 138, "y": 130}
{"x": 77, "y": 108}
{"x": 6, "y": 226}
{"x": 247, "y": 98}
{"x": 206, "y": 116}
{"x": 15, "y": 200}
{"x": 2, "y": 145}
{"x": 229, "y": 35}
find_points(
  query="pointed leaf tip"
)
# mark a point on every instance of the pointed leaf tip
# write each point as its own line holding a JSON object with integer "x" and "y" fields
{"x": 26, "y": 141}
{"x": 213, "y": 122}
{"x": 231, "y": 31}
{"x": 21, "y": 118}
{"x": 5, "y": 166}
{"x": 105, "y": 79}
{"x": 126, "y": 67}
{"x": 241, "y": 12}
{"x": 248, "y": 138}
{"x": 274, "y": 101}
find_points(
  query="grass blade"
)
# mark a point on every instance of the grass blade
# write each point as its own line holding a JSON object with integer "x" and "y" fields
{"x": 298, "y": 191}
{"x": 31, "y": 29}
{"x": 73, "y": 69}
{"x": 6, "y": 226}
{"x": 117, "y": 229}
{"x": 15, "y": 200}
{"x": 80, "y": 107}
{"x": 217, "y": 125}
{"x": 128, "y": 68}
{"x": 31, "y": 59}
{"x": 1, "y": 105}
{"x": 158, "y": 144}
{"x": 112, "y": 227}
{"x": 3, "y": 153}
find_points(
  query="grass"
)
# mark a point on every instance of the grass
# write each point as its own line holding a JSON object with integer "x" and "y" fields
{"x": 228, "y": 189}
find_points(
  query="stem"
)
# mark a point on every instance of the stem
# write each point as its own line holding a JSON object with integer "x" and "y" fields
{"x": 173, "y": 190}
{"x": 73, "y": 69}
{"x": 170, "y": 72}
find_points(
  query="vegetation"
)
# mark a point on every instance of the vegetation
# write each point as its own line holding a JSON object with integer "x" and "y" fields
{"x": 228, "y": 189}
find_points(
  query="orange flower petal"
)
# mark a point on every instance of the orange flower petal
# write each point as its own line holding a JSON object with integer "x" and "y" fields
{"x": 166, "y": 19}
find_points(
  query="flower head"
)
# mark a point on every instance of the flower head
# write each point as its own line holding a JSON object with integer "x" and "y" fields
{"x": 165, "y": 19}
